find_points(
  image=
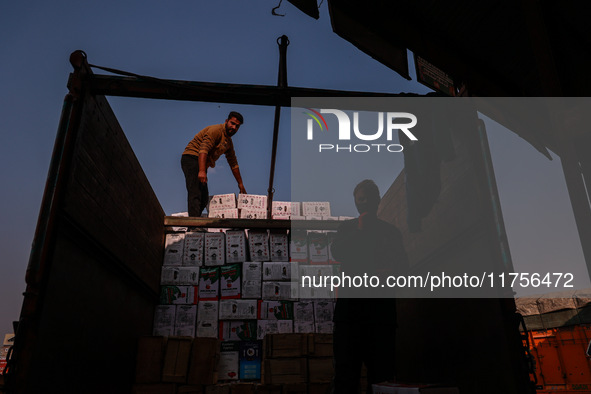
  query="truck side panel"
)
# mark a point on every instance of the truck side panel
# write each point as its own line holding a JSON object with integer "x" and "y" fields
{"x": 93, "y": 293}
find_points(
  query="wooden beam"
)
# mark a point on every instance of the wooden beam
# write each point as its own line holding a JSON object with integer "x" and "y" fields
{"x": 178, "y": 221}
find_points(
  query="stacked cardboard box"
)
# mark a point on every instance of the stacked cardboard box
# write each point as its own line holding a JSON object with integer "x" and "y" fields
{"x": 176, "y": 364}
{"x": 234, "y": 287}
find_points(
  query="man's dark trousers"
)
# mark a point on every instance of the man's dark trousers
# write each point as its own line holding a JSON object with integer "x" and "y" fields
{"x": 197, "y": 192}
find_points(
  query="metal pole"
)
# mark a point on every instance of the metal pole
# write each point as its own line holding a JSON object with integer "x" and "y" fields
{"x": 283, "y": 42}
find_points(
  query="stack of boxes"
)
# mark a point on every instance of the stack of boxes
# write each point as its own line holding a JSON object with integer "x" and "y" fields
{"x": 235, "y": 287}
{"x": 254, "y": 206}
{"x": 6, "y": 344}
{"x": 176, "y": 364}
{"x": 302, "y": 362}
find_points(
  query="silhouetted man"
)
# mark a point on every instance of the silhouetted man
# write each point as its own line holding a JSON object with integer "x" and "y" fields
{"x": 202, "y": 152}
{"x": 365, "y": 326}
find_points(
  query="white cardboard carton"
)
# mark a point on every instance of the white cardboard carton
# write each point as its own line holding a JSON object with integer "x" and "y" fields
{"x": 286, "y": 208}
{"x": 325, "y": 328}
{"x": 188, "y": 276}
{"x": 303, "y": 311}
{"x": 265, "y": 327}
{"x": 252, "y": 201}
{"x": 235, "y": 246}
{"x": 277, "y": 291}
{"x": 178, "y": 295}
{"x": 227, "y": 213}
{"x": 207, "y": 319}
{"x": 222, "y": 201}
{"x": 323, "y": 311}
{"x": 164, "y": 317}
{"x": 173, "y": 249}
{"x": 276, "y": 271}
{"x": 230, "y": 279}
{"x": 209, "y": 283}
{"x": 252, "y": 213}
{"x": 303, "y": 327}
{"x": 251, "y": 279}
{"x": 279, "y": 246}
{"x": 258, "y": 243}
{"x": 275, "y": 310}
{"x": 238, "y": 330}
{"x": 193, "y": 251}
{"x": 315, "y": 208}
{"x": 169, "y": 276}
{"x": 318, "y": 247}
{"x": 238, "y": 309}
{"x": 186, "y": 317}
{"x": 215, "y": 249}
{"x": 228, "y": 366}
{"x": 298, "y": 246}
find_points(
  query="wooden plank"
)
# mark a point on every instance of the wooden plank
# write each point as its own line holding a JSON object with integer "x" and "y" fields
{"x": 251, "y": 223}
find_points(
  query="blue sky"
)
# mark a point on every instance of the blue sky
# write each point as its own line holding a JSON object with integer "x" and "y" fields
{"x": 213, "y": 41}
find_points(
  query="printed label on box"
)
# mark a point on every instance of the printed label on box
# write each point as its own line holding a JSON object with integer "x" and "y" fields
{"x": 265, "y": 327}
{"x": 251, "y": 280}
{"x": 207, "y": 319}
{"x": 276, "y": 270}
{"x": 173, "y": 249}
{"x": 315, "y": 208}
{"x": 318, "y": 247}
{"x": 258, "y": 242}
{"x": 250, "y": 360}
{"x": 303, "y": 312}
{"x": 277, "y": 291}
{"x": 186, "y": 317}
{"x": 279, "y": 245}
{"x": 238, "y": 330}
{"x": 209, "y": 280}
{"x": 324, "y": 328}
{"x": 286, "y": 208}
{"x": 299, "y": 246}
{"x": 178, "y": 295}
{"x": 164, "y": 317}
{"x": 238, "y": 310}
{"x": 228, "y": 367}
{"x": 331, "y": 235}
{"x": 235, "y": 246}
{"x": 188, "y": 276}
{"x": 193, "y": 253}
{"x": 169, "y": 276}
{"x": 323, "y": 311}
{"x": 252, "y": 201}
{"x": 230, "y": 281}
{"x": 275, "y": 310}
{"x": 303, "y": 327}
{"x": 215, "y": 249}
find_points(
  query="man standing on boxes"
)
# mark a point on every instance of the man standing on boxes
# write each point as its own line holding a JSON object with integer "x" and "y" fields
{"x": 202, "y": 152}
{"x": 365, "y": 318}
